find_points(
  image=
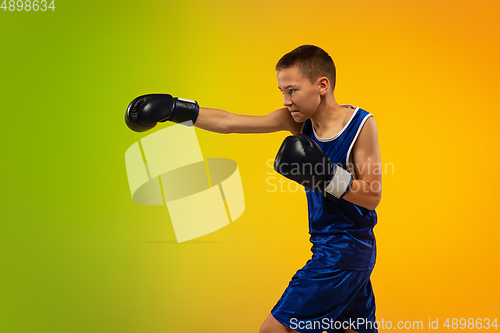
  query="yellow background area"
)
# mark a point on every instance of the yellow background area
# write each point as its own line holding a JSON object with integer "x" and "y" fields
{"x": 79, "y": 255}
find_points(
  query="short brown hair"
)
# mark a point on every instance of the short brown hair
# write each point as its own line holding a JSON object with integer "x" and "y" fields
{"x": 312, "y": 61}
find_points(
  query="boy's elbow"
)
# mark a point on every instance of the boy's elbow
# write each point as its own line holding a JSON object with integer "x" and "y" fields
{"x": 375, "y": 200}
{"x": 226, "y": 125}
{"x": 224, "y": 129}
{"x": 372, "y": 200}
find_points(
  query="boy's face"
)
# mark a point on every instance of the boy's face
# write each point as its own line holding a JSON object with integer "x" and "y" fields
{"x": 300, "y": 96}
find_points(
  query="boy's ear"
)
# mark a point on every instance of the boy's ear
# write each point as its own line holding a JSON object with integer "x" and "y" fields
{"x": 324, "y": 85}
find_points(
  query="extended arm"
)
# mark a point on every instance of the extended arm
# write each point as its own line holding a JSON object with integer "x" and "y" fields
{"x": 144, "y": 112}
{"x": 221, "y": 121}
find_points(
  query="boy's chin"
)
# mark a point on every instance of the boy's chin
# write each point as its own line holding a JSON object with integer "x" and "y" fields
{"x": 298, "y": 117}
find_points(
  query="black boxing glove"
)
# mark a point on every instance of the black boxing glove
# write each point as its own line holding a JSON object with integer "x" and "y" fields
{"x": 145, "y": 111}
{"x": 302, "y": 160}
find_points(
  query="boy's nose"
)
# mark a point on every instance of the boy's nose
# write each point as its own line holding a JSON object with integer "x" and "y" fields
{"x": 287, "y": 101}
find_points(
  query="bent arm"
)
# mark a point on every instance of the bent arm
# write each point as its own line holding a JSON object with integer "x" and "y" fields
{"x": 366, "y": 189}
{"x": 220, "y": 121}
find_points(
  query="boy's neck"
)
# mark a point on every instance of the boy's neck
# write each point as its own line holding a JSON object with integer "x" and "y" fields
{"x": 328, "y": 114}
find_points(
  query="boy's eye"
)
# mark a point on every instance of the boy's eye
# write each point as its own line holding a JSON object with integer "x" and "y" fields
{"x": 291, "y": 91}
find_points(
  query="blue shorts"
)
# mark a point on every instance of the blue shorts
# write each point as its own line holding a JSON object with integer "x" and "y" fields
{"x": 321, "y": 298}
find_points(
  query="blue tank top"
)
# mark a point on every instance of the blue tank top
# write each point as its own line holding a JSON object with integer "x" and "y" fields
{"x": 341, "y": 232}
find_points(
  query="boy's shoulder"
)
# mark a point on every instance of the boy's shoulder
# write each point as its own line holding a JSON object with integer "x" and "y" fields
{"x": 289, "y": 123}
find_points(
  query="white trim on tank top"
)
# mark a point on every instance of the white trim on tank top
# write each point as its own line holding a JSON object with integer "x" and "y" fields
{"x": 339, "y": 133}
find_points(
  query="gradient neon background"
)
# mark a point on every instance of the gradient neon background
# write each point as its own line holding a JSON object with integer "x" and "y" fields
{"x": 78, "y": 255}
